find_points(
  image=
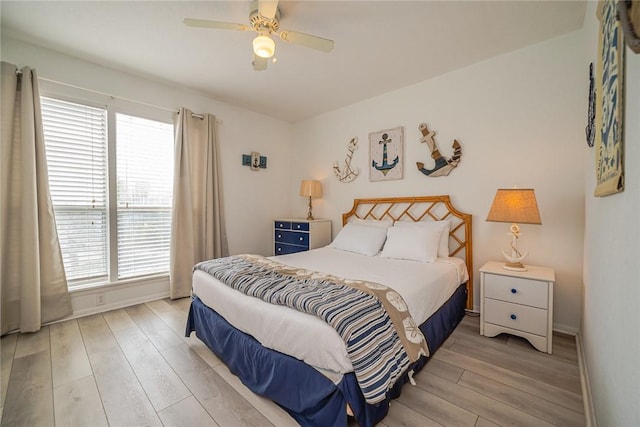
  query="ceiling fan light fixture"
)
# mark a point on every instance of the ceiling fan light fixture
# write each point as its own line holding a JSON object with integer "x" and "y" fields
{"x": 264, "y": 46}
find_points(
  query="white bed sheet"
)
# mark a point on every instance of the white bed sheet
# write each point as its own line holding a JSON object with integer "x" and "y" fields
{"x": 424, "y": 287}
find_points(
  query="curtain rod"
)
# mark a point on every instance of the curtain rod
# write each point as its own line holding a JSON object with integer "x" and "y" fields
{"x": 195, "y": 115}
{"x": 173, "y": 110}
{"x": 108, "y": 95}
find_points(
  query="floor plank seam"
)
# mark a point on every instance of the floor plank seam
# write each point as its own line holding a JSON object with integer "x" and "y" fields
{"x": 502, "y": 401}
{"x": 522, "y": 391}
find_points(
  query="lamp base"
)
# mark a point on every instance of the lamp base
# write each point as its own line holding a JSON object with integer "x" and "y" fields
{"x": 514, "y": 266}
{"x": 309, "y": 214}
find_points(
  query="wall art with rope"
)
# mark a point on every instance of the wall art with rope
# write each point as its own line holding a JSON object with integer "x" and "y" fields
{"x": 347, "y": 173}
{"x": 441, "y": 166}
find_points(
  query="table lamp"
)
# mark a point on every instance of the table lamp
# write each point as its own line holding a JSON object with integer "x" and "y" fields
{"x": 515, "y": 206}
{"x": 309, "y": 188}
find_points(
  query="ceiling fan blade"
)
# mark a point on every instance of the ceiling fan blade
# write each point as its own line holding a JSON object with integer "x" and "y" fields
{"x": 268, "y": 8}
{"x": 259, "y": 63}
{"x": 307, "y": 40}
{"x": 204, "y": 23}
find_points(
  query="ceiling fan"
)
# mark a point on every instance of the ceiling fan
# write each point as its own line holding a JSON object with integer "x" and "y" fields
{"x": 264, "y": 17}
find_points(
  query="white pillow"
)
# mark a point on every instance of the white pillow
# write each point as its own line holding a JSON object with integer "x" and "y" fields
{"x": 384, "y": 223}
{"x": 361, "y": 239}
{"x": 412, "y": 243}
{"x": 444, "y": 227}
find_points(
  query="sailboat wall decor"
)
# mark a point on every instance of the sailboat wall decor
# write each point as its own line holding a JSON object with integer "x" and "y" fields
{"x": 386, "y": 157}
{"x": 443, "y": 166}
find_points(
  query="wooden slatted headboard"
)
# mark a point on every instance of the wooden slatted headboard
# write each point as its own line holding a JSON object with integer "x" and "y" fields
{"x": 423, "y": 208}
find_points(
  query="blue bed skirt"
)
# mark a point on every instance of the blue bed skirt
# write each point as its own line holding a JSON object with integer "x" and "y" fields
{"x": 307, "y": 395}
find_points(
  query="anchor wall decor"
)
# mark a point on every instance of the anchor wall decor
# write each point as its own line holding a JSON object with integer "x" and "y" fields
{"x": 347, "y": 174}
{"x": 443, "y": 166}
{"x": 254, "y": 160}
{"x": 385, "y": 154}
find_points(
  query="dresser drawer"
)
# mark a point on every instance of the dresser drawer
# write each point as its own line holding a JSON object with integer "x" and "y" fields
{"x": 293, "y": 237}
{"x": 300, "y": 235}
{"x": 282, "y": 225}
{"x": 300, "y": 226}
{"x": 515, "y": 316}
{"x": 516, "y": 290}
{"x": 283, "y": 249}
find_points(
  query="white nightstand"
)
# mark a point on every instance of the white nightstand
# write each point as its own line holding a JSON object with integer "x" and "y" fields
{"x": 518, "y": 303}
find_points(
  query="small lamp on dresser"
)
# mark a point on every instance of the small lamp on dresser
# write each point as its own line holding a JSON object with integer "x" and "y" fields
{"x": 516, "y": 205}
{"x": 310, "y": 189}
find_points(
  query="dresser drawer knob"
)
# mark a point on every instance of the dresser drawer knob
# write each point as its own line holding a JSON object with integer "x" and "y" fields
{"x": 513, "y": 317}
{"x": 514, "y": 290}
{"x": 279, "y": 249}
{"x": 301, "y": 239}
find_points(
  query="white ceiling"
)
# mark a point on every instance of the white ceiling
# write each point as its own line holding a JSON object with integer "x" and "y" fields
{"x": 379, "y": 45}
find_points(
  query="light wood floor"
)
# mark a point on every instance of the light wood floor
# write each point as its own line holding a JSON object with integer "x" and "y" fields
{"x": 133, "y": 367}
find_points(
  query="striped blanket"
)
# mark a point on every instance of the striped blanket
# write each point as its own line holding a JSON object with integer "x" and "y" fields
{"x": 381, "y": 338}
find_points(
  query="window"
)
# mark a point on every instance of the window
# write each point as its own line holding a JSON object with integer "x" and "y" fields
{"x": 145, "y": 178}
{"x": 132, "y": 167}
{"x": 76, "y": 145}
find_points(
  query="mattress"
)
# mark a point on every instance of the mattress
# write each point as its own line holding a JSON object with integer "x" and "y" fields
{"x": 424, "y": 287}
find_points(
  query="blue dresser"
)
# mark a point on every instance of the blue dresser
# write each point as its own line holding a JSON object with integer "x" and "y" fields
{"x": 297, "y": 235}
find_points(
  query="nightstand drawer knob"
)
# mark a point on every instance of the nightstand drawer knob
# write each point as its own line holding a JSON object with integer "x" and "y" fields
{"x": 279, "y": 236}
{"x": 301, "y": 239}
{"x": 514, "y": 290}
{"x": 513, "y": 317}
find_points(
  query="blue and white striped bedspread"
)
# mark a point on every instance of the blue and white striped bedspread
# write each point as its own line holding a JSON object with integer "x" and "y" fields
{"x": 381, "y": 338}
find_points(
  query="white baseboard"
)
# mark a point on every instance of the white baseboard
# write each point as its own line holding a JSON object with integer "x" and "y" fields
{"x": 564, "y": 329}
{"x": 87, "y": 311}
{"x": 85, "y": 302}
{"x": 585, "y": 385}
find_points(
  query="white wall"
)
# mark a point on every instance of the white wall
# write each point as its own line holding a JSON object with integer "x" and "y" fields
{"x": 252, "y": 199}
{"x": 611, "y": 323}
{"x": 520, "y": 119}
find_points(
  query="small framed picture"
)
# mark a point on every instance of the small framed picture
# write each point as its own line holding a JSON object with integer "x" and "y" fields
{"x": 386, "y": 154}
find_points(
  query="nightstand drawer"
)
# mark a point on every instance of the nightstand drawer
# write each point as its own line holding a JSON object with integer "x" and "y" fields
{"x": 516, "y": 290}
{"x": 293, "y": 237}
{"x": 514, "y": 316}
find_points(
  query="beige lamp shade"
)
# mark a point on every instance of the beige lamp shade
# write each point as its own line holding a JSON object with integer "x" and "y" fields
{"x": 515, "y": 206}
{"x": 309, "y": 188}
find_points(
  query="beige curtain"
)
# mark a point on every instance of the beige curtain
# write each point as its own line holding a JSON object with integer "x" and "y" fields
{"x": 34, "y": 285}
{"x": 197, "y": 221}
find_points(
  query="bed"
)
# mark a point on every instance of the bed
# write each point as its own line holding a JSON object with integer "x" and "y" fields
{"x": 300, "y": 362}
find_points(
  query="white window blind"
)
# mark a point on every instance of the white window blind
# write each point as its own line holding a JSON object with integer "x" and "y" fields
{"x": 76, "y": 145}
{"x": 144, "y": 150}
